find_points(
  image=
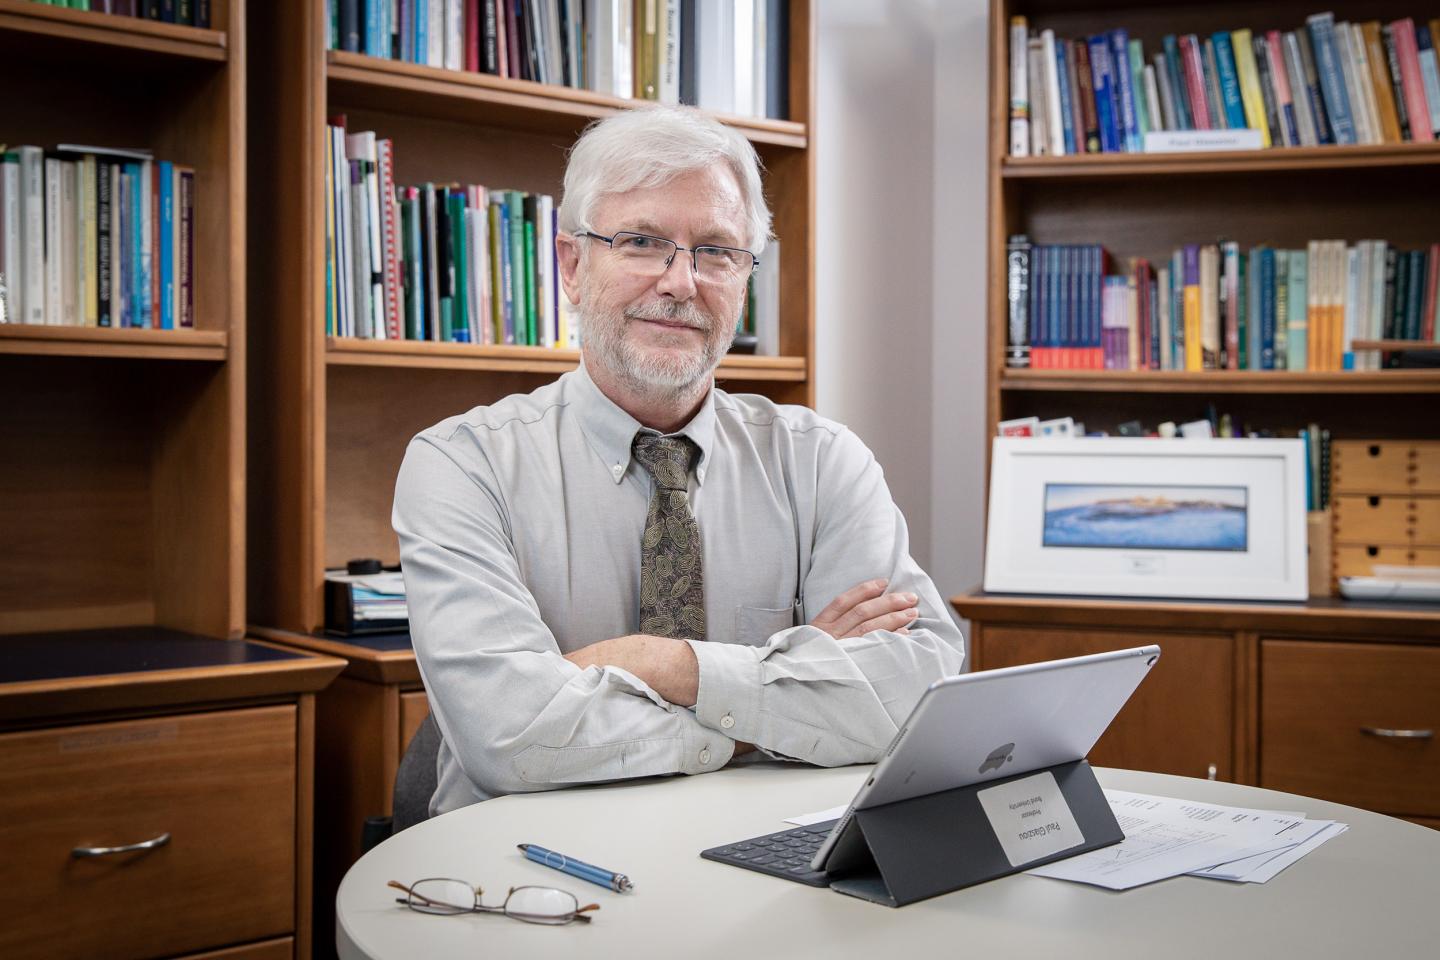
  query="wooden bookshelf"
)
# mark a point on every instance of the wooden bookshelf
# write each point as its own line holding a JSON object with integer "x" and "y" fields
{"x": 1225, "y": 705}
{"x": 124, "y": 494}
{"x": 1149, "y": 204}
{"x": 331, "y": 416}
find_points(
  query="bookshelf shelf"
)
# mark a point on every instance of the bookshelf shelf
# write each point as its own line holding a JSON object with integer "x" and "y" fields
{"x": 347, "y": 351}
{"x": 398, "y": 87}
{"x": 1223, "y": 381}
{"x": 205, "y": 345}
{"x": 84, "y": 28}
{"x": 1287, "y": 160}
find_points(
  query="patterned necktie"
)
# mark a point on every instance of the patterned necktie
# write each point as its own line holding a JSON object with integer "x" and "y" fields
{"x": 672, "y": 586}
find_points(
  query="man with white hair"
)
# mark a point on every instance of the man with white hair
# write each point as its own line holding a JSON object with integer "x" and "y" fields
{"x": 629, "y": 572}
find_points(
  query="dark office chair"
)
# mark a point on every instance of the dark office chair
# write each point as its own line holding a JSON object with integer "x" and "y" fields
{"x": 415, "y": 780}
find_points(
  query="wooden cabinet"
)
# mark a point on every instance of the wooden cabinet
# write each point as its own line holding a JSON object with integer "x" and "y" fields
{"x": 1355, "y": 722}
{"x": 1332, "y": 699}
{"x": 160, "y": 809}
{"x": 1194, "y": 679}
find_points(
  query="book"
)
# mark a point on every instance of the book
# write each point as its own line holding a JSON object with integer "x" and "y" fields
{"x": 1297, "y": 330}
{"x": 1128, "y": 122}
{"x": 1429, "y": 72}
{"x": 1376, "y": 59}
{"x": 1350, "y": 77}
{"x": 1062, "y": 105}
{"x": 1321, "y": 27}
{"x": 1214, "y": 100}
{"x": 1209, "y": 307}
{"x": 1102, "y": 79}
{"x": 1055, "y": 106}
{"x": 1191, "y": 306}
{"x": 1324, "y": 132}
{"x": 1229, "y": 80}
{"x": 1280, "y": 77}
{"x": 1295, "y": 74}
{"x": 1416, "y": 105}
{"x": 1039, "y": 108}
{"x": 1397, "y": 81}
{"x": 1249, "y": 79}
{"x": 1085, "y": 83}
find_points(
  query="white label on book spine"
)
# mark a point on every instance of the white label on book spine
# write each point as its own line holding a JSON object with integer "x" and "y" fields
{"x": 1030, "y": 818}
{"x": 1200, "y": 141}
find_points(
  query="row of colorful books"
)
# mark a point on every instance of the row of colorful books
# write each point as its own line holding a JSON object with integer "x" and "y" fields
{"x": 461, "y": 264}
{"x": 729, "y": 56}
{"x": 1216, "y": 307}
{"x": 192, "y": 13}
{"x": 96, "y": 237}
{"x": 1324, "y": 83}
{"x": 439, "y": 262}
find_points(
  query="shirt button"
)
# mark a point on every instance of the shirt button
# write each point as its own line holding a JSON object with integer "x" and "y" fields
{"x": 704, "y": 756}
{"x": 727, "y": 721}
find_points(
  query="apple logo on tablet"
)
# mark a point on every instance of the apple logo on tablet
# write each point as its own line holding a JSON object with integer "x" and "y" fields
{"x": 1000, "y": 756}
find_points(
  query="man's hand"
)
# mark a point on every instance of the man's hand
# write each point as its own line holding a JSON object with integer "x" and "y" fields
{"x": 867, "y": 607}
{"x": 667, "y": 666}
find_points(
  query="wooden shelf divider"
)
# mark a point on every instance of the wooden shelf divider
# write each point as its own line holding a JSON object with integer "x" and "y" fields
{"x": 401, "y": 87}
{"x": 1275, "y": 160}
{"x": 113, "y": 30}
{"x": 1223, "y": 381}
{"x": 356, "y": 352}
{"x": 36, "y": 339}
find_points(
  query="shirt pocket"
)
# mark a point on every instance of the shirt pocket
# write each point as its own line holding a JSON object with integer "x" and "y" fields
{"x": 756, "y": 625}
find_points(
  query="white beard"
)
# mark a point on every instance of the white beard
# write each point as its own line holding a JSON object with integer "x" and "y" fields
{"x": 641, "y": 369}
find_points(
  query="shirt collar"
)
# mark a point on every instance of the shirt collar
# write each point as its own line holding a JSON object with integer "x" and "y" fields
{"x": 611, "y": 431}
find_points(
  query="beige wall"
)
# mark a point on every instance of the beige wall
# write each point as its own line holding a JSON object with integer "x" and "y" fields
{"x": 901, "y": 271}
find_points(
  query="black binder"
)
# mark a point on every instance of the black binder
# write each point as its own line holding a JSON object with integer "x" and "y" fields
{"x": 914, "y": 849}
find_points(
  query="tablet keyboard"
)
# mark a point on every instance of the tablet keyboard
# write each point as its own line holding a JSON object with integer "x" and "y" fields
{"x": 786, "y": 854}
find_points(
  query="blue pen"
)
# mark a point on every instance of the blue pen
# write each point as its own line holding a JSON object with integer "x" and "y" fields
{"x": 558, "y": 861}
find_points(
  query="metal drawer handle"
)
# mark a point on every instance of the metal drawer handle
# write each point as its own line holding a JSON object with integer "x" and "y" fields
{"x": 82, "y": 852}
{"x": 1398, "y": 734}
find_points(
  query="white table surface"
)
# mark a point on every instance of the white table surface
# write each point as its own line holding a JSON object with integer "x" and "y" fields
{"x": 1373, "y": 892}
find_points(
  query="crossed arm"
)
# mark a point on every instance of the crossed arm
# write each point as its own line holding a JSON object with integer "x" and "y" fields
{"x": 669, "y": 666}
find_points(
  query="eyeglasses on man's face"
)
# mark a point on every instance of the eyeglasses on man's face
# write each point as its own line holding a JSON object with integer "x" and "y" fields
{"x": 647, "y": 256}
{"x": 444, "y": 897}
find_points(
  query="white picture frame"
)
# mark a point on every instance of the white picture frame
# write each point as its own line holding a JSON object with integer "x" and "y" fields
{"x": 1145, "y": 517}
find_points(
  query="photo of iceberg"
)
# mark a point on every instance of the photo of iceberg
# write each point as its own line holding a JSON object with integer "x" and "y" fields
{"x": 1146, "y": 516}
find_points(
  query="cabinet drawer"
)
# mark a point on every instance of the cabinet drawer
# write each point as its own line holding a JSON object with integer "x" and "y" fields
{"x": 1372, "y": 466}
{"x": 1357, "y": 561}
{"x": 1379, "y": 518}
{"x": 222, "y": 785}
{"x": 1317, "y": 702}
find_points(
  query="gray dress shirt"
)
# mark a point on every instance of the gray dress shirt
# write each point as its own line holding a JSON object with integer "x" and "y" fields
{"x": 520, "y": 527}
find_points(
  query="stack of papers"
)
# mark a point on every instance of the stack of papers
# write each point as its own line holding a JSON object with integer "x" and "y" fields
{"x": 1165, "y": 837}
{"x": 379, "y": 596}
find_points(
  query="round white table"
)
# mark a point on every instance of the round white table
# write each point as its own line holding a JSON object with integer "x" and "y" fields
{"x": 1374, "y": 891}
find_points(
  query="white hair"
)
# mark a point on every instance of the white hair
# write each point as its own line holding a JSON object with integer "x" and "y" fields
{"x": 648, "y": 147}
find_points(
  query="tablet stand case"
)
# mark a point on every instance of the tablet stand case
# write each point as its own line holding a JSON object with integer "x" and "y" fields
{"x": 925, "y": 846}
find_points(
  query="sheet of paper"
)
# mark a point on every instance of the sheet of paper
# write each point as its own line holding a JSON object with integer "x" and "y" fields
{"x": 1293, "y": 832}
{"x": 1165, "y": 837}
{"x": 1276, "y": 862}
{"x": 819, "y": 816}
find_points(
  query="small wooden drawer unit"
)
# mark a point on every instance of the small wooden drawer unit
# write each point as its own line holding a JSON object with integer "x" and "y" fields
{"x": 1358, "y": 723}
{"x": 1377, "y": 518}
{"x": 1385, "y": 466}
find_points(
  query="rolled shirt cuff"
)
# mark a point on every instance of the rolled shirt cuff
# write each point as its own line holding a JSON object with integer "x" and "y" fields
{"x": 728, "y": 697}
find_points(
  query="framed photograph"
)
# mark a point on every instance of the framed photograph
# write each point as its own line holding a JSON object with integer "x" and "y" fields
{"x": 1146, "y": 517}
